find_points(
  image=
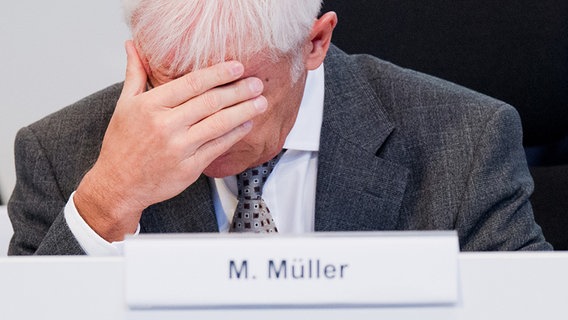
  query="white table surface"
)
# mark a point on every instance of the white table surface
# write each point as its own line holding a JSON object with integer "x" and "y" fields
{"x": 492, "y": 286}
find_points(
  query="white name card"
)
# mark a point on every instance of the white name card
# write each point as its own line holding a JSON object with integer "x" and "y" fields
{"x": 321, "y": 269}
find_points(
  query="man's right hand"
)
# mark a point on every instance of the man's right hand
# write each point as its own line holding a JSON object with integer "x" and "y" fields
{"x": 158, "y": 142}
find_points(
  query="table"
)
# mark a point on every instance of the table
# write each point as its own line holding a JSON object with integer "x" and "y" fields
{"x": 515, "y": 285}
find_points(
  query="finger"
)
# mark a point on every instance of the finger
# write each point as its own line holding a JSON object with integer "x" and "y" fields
{"x": 225, "y": 120}
{"x": 216, "y": 147}
{"x": 216, "y": 99}
{"x": 136, "y": 78}
{"x": 180, "y": 90}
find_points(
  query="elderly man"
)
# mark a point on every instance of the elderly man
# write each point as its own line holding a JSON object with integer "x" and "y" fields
{"x": 241, "y": 116}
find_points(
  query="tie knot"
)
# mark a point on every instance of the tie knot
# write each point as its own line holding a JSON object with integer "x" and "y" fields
{"x": 251, "y": 181}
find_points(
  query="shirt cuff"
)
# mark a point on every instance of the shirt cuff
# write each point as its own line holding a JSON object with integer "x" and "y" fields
{"x": 90, "y": 241}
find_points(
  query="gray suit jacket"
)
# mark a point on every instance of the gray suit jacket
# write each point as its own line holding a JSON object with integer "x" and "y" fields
{"x": 399, "y": 151}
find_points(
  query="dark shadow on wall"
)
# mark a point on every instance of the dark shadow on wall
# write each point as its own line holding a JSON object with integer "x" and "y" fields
{"x": 513, "y": 50}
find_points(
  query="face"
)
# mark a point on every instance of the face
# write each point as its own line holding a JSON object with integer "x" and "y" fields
{"x": 271, "y": 128}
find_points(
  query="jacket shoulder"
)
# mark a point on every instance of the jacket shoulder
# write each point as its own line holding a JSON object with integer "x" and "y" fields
{"x": 85, "y": 114}
{"x": 69, "y": 139}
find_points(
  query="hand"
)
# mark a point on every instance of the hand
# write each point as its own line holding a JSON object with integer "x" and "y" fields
{"x": 158, "y": 142}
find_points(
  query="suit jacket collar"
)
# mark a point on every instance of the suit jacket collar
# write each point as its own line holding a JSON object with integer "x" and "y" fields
{"x": 190, "y": 211}
{"x": 356, "y": 188}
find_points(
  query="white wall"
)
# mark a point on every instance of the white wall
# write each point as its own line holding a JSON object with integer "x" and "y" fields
{"x": 6, "y": 231}
{"x": 53, "y": 53}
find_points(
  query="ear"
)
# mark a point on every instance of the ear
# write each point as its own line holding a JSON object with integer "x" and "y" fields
{"x": 320, "y": 39}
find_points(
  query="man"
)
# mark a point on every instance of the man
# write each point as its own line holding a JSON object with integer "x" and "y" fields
{"x": 215, "y": 88}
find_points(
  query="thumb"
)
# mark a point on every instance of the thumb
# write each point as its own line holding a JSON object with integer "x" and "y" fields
{"x": 136, "y": 78}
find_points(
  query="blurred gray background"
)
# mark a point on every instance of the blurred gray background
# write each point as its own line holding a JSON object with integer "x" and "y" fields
{"x": 53, "y": 53}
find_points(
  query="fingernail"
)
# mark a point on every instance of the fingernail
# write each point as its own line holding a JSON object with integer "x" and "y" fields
{"x": 237, "y": 69}
{"x": 260, "y": 103}
{"x": 255, "y": 85}
{"x": 247, "y": 125}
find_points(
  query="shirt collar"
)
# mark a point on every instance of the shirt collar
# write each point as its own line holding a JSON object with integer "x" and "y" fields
{"x": 305, "y": 134}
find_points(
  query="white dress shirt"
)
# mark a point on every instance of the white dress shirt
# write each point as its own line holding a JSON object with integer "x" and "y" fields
{"x": 289, "y": 191}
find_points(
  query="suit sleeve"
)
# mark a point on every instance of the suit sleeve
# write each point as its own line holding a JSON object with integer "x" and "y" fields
{"x": 496, "y": 213}
{"x": 36, "y": 208}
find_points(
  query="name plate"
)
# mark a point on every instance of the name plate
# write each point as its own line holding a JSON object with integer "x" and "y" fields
{"x": 320, "y": 269}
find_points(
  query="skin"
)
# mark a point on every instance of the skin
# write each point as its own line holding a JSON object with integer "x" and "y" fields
{"x": 270, "y": 128}
{"x": 218, "y": 121}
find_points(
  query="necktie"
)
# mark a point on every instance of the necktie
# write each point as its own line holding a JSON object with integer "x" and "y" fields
{"x": 251, "y": 214}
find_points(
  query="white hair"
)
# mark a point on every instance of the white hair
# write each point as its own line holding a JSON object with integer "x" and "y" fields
{"x": 180, "y": 36}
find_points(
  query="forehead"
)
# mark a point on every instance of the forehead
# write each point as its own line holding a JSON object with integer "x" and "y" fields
{"x": 267, "y": 68}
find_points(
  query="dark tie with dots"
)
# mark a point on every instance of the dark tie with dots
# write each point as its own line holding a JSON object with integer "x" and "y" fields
{"x": 251, "y": 214}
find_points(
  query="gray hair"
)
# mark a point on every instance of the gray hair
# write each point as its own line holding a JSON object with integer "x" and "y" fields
{"x": 185, "y": 35}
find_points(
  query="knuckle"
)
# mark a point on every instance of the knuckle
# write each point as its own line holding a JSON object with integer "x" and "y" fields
{"x": 177, "y": 149}
{"x": 210, "y": 101}
{"x": 211, "y": 150}
{"x": 220, "y": 75}
{"x": 219, "y": 124}
{"x": 215, "y": 144}
{"x": 240, "y": 89}
{"x": 160, "y": 126}
{"x": 194, "y": 84}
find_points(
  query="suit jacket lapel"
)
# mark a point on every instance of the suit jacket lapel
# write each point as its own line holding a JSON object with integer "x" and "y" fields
{"x": 356, "y": 189}
{"x": 190, "y": 211}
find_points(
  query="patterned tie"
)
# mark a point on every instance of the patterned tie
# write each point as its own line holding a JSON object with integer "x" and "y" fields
{"x": 251, "y": 214}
